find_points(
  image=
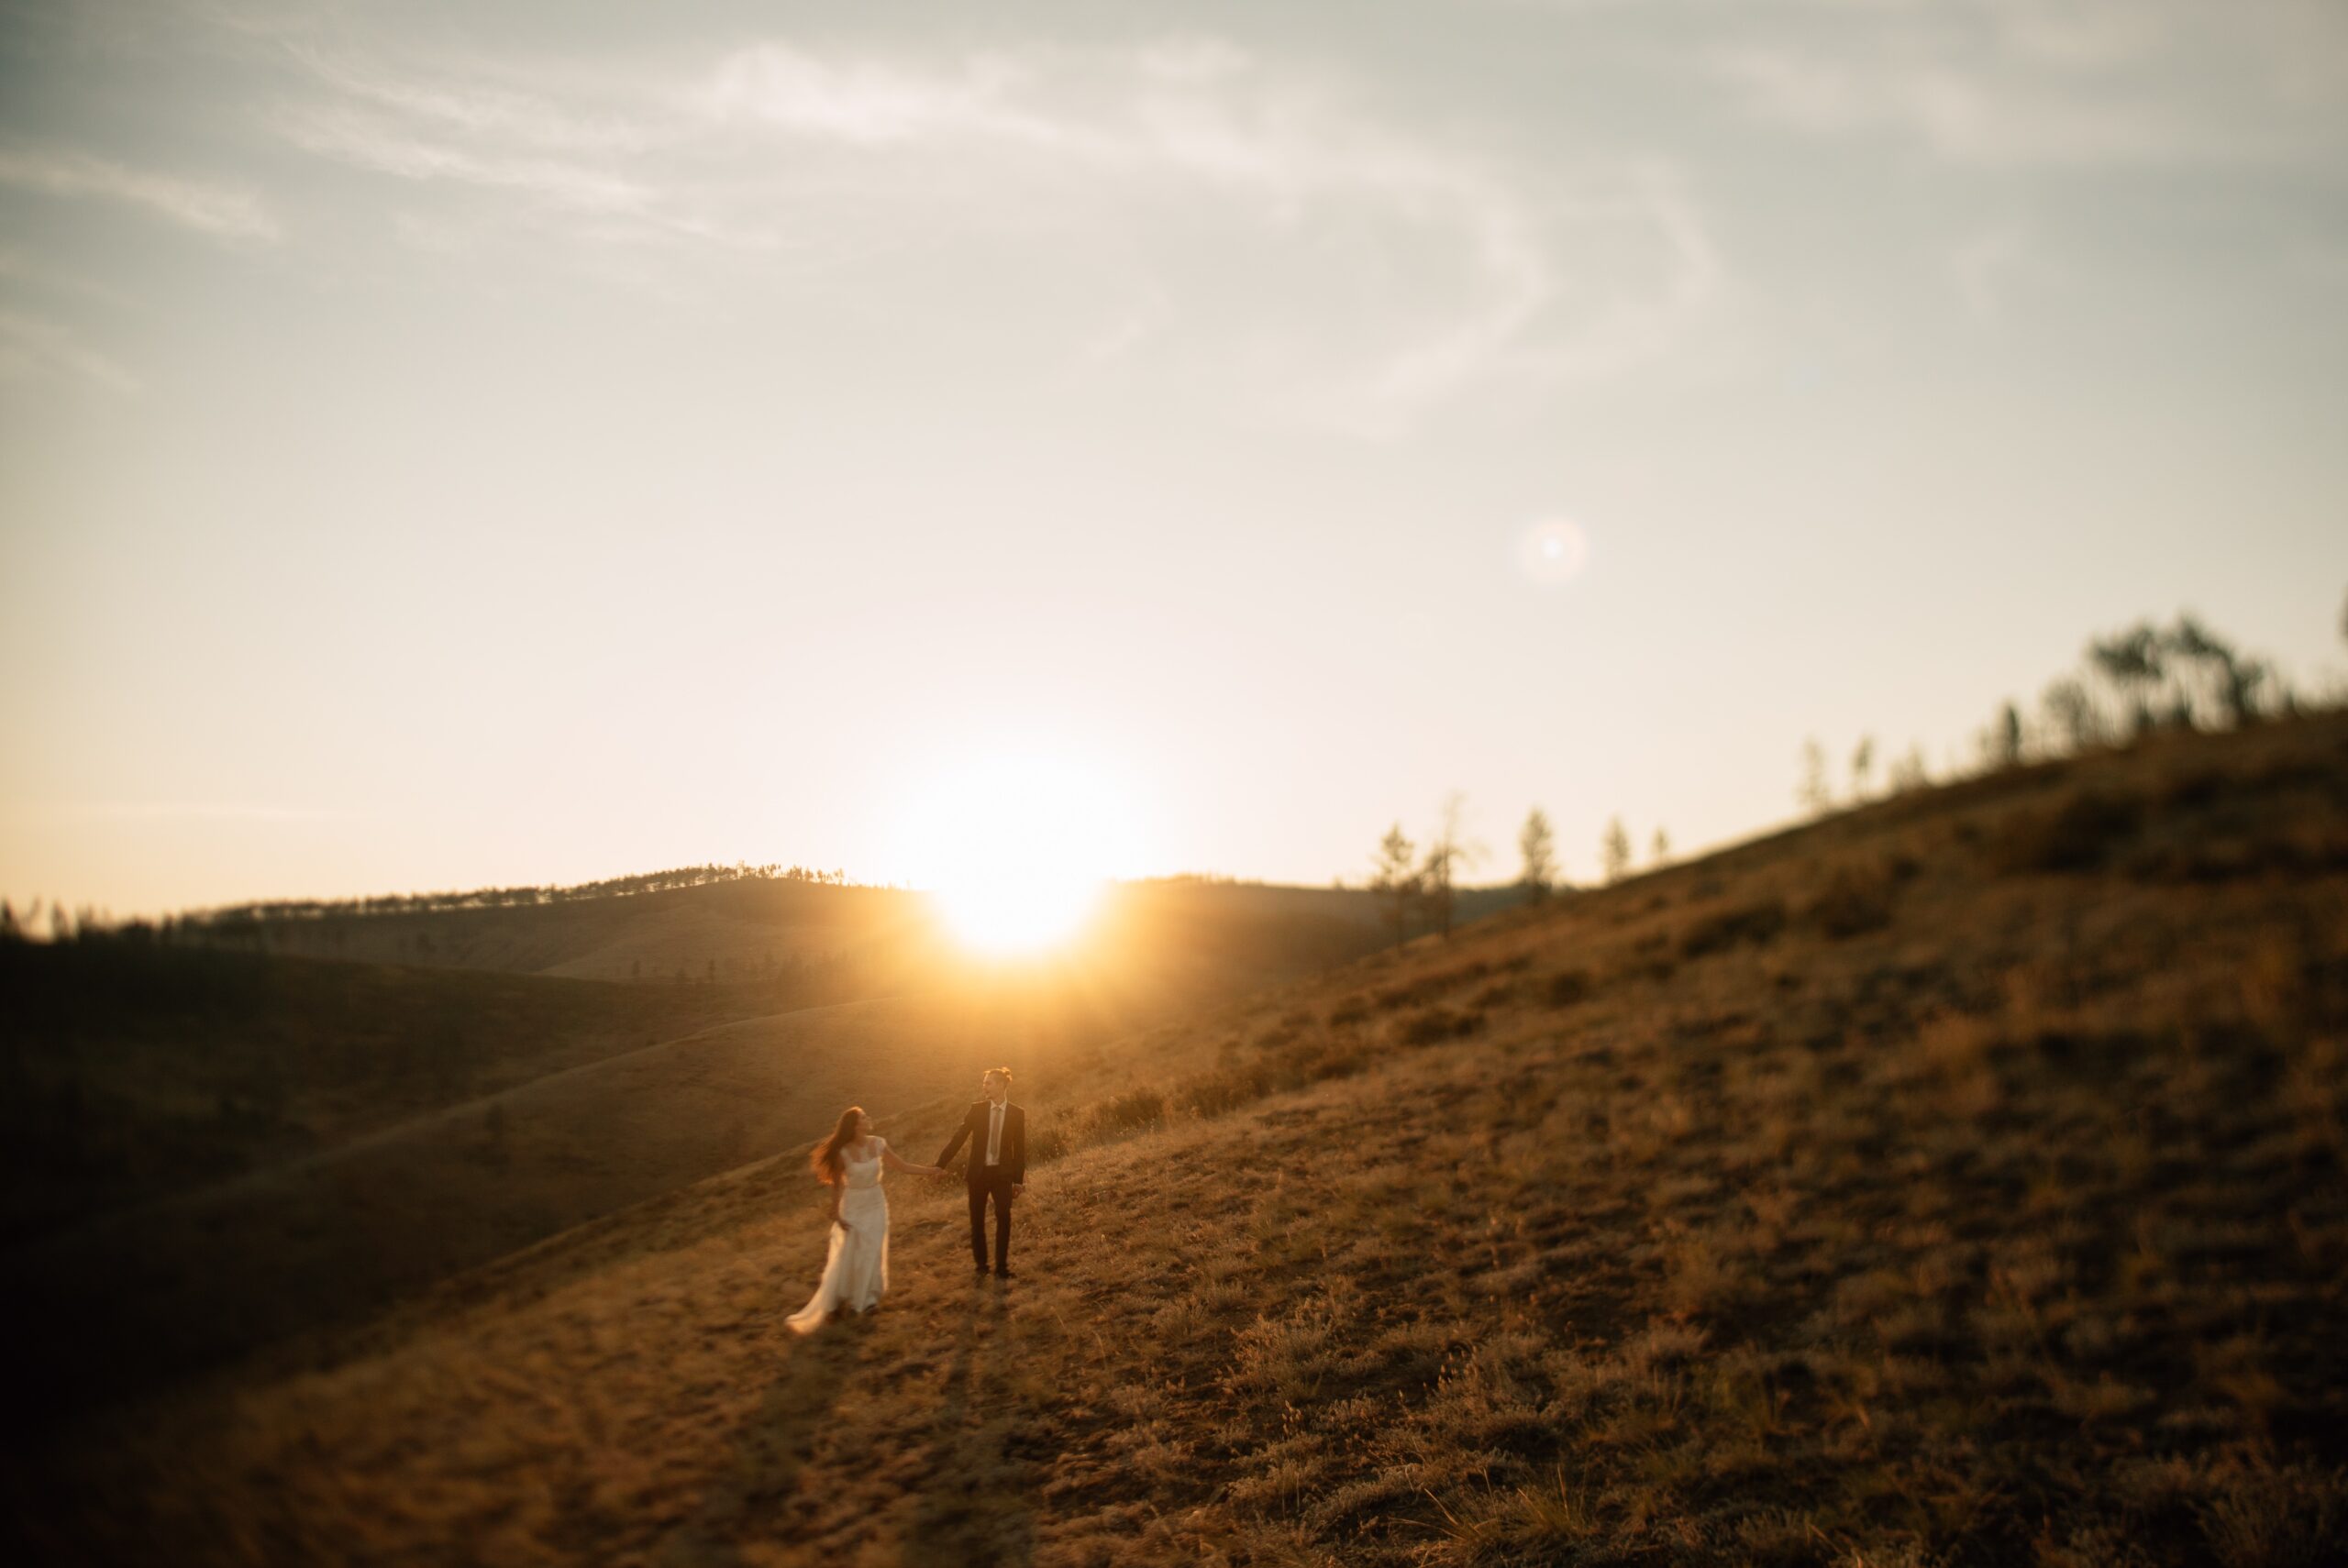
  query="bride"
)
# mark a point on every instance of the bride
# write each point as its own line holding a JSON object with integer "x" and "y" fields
{"x": 856, "y": 1270}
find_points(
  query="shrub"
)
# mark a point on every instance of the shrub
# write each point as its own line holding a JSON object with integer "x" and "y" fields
{"x": 1134, "y": 1109}
{"x": 2197, "y": 787}
{"x": 1334, "y": 1061}
{"x": 1568, "y": 987}
{"x": 1425, "y": 987}
{"x": 1218, "y": 1094}
{"x": 1048, "y": 1143}
{"x": 1353, "y": 1009}
{"x": 1440, "y": 1023}
{"x": 2074, "y": 837}
{"x": 1851, "y": 901}
{"x": 1755, "y": 922}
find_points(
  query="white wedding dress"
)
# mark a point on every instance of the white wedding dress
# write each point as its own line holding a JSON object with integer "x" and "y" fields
{"x": 856, "y": 1271}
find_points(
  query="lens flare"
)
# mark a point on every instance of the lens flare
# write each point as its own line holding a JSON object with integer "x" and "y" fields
{"x": 1552, "y": 551}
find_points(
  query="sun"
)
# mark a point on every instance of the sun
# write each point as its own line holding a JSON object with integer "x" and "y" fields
{"x": 1019, "y": 850}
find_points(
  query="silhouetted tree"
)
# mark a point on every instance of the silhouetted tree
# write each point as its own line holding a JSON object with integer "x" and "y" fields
{"x": 1614, "y": 851}
{"x": 1659, "y": 852}
{"x": 1910, "y": 772}
{"x": 1537, "y": 848}
{"x": 1812, "y": 791}
{"x": 2132, "y": 661}
{"x": 1396, "y": 878}
{"x": 2008, "y": 737}
{"x": 2240, "y": 681}
{"x": 2072, "y": 713}
{"x": 2232, "y": 682}
{"x": 1862, "y": 768}
{"x": 1438, "y": 871}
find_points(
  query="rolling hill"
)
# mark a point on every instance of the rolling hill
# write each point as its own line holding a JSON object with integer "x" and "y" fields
{"x": 211, "y": 1146}
{"x": 1959, "y": 1179}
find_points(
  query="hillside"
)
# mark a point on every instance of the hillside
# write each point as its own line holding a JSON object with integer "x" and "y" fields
{"x": 208, "y": 1150}
{"x": 1962, "y": 1179}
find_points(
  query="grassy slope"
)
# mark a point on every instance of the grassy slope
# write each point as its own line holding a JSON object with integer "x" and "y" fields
{"x": 132, "y": 1071}
{"x": 209, "y": 1151}
{"x": 1958, "y": 1180}
{"x": 128, "y": 1070}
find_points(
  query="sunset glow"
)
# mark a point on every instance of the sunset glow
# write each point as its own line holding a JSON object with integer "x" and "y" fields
{"x": 1021, "y": 849}
{"x": 1317, "y": 418}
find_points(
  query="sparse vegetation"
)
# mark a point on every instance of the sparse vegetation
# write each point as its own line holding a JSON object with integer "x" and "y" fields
{"x": 1814, "y": 794}
{"x": 1536, "y": 848}
{"x": 210, "y": 1149}
{"x": 1396, "y": 880}
{"x": 1962, "y": 1181}
{"x": 1615, "y": 852}
{"x": 1446, "y": 855}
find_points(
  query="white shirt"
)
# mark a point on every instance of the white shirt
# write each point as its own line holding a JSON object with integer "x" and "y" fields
{"x": 994, "y": 1133}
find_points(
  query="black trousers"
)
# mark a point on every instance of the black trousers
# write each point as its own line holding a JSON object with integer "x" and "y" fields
{"x": 984, "y": 1185}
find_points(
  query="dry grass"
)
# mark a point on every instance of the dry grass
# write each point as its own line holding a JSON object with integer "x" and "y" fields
{"x": 2010, "y": 1227}
{"x": 207, "y": 1150}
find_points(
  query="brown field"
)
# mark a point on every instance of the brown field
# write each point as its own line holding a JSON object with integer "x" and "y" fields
{"x": 1962, "y": 1179}
{"x": 209, "y": 1151}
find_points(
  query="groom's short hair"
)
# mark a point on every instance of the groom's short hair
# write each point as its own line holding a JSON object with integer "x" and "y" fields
{"x": 1003, "y": 1073}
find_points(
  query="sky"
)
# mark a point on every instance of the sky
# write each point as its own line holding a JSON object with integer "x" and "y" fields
{"x": 459, "y": 445}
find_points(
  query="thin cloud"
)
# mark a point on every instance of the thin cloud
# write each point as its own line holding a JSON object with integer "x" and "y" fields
{"x": 32, "y": 347}
{"x": 776, "y": 147}
{"x": 1962, "y": 115}
{"x": 487, "y": 135}
{"x": 1206, "y": 112}
{"x": 1683, "y": 282}
{"x": 224, "y": 213}
{"x": 351, "y": 135}
{"x": 2088, "y": 85}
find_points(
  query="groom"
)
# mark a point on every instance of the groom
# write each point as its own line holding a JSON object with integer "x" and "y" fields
{"x": 998, "y": 1133}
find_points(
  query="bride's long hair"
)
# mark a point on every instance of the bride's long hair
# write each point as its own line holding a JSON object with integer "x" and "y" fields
{"x": 827, "y": 1163}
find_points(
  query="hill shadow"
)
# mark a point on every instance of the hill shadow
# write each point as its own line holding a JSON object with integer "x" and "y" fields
{"x": 972, "y": 1502}
{"x": 771, "y": 1450}
{"x": 973, "y": 1508}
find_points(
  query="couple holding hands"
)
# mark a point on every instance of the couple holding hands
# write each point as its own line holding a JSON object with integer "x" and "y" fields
{"x": 850, "y": 1162}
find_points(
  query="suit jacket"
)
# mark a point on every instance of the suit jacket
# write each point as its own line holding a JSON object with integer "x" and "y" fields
{"x": 1011, "y": 1163}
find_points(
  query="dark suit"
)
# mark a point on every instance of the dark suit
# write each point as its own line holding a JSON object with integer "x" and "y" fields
{"x": 995, "y": 1181}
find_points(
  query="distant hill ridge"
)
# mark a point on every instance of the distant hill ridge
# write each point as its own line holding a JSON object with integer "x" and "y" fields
{"x": 734, "y": 925}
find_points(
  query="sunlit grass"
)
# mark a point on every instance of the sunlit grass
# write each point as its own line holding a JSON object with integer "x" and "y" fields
{"x": 1981, "y": 1245}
